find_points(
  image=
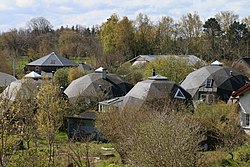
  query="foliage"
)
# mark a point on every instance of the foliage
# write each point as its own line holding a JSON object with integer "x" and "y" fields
{"x": 50, "y": 112}
{"x": 152, "y": 137}
{"x": 9, "y": 130}
{"x": 74, "y": 73}
{"x": 175, "y": 69}
{"x": 221, "y": 125}
{"x": 130, "y": 73}
{"x": 61, "y": 77}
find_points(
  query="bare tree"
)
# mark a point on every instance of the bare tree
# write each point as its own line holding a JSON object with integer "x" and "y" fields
{"x": 153, "y": 137}
{"x": 39, "y": 25}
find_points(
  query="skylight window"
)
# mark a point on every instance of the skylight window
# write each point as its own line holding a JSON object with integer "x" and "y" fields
{"x": 179, "y": 95}
{"x": 209, "y": 83}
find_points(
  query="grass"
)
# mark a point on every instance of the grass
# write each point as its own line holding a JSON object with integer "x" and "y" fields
{"x": 66, "y": 152}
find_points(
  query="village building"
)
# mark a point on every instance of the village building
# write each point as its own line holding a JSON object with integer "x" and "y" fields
{"x": 156, "y": 90}
{"x": 49, "y": 63}
{"x": 213, "y": 82}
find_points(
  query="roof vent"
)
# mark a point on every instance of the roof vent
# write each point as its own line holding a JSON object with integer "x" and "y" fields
{"x": 216, "y": 63}
{"x": 104, "y": 73}
{"x": 158, "y": 77}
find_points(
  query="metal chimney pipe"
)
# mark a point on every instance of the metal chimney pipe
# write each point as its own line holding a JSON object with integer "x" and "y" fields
{"x": 104, "y": 73}
{"x": 153, "y": 72}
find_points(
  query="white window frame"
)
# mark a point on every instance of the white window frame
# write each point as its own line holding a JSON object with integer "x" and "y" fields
{"x": 209, "y": 83}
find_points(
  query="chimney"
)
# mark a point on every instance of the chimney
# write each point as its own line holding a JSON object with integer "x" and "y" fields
{"x": 153, "y": 72}
{"x": 104, "y": 73}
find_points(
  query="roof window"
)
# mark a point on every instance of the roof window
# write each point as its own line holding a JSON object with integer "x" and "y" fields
{"x": 179, "y": 95}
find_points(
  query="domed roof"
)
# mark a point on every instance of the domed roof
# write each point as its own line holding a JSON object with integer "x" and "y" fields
{"x": 224, "y": 79}
{"x": 6, "y": 79}
{"x": 153, "y": 89}
{"x": 92, "y": 85}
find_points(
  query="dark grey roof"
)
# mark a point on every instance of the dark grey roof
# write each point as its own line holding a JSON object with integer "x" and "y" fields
{"x": 152, "y": 90}
{"x": 84, "y": 66}
{"x": 247, "y": 60}
{"x": 225, "y": 80}
{"x": 53, "y": 60}
{"x": 93, "y": 85}
{"x": 6, "y": 79}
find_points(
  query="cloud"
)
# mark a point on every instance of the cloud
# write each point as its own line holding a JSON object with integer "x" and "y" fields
{"x": 25, "y": 3}
{"x": 92, "y": 12}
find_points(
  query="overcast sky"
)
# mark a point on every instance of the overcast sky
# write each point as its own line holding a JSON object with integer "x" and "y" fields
{"x": 16, "y": 13}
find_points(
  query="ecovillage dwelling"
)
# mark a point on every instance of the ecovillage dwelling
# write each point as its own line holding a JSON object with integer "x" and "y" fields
{"x": 49, "y": 63}
{"x": 143, "y": 59}
{"x": 213, "y": 82}
{"x": 148, "y": 92}
{"x": 88, "y": 89}
{"x": 99, "y": 84}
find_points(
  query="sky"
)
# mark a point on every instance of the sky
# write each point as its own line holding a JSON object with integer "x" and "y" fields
{"x": 16, "y": 13}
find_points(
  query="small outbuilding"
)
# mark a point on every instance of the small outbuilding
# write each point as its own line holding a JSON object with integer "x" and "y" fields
{"x": 82, "y": 127}
{"x": 242, "y": 65}
{"x": 50, "y": 63}
{"x": 213, "y": 82}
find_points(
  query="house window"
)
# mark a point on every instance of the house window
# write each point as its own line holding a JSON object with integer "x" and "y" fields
{"x": 209, "y": 83}
{"x": 247, "y": 119}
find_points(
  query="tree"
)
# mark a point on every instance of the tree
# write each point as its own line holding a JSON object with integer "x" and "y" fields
{"x": 237, "y": 35}
{"x": 165, "y": 35}
{"x": 153, "y": 137}
{"x": 145, "y": 35}
{"x": 108, "y": 34}
{"x": 61, "y": 77}
{"x": 176, "y": 69}
{"x": 74, "y": 73}
{"x": 246, "y": 21}
{"x": 124, "y": 38}
{"x": 190, "y": 30}
{"x": 39, "y": 25}
{"x": 225, "y": 19}
{"x": 9, "y": 131}
{"x": 69, "y": 43}
{"x": 221, "y": 125}
{"x": 50, "y": 111}
{"x": 15, "y": 44}
{"x": 213, "y": 31}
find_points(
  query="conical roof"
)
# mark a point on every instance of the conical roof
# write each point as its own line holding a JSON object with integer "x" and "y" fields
{"x": 6, "y": 79}
{"x": 92, "y": 85}
{"x": 224, "y": 79}
{"x": 52, "y": 60}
